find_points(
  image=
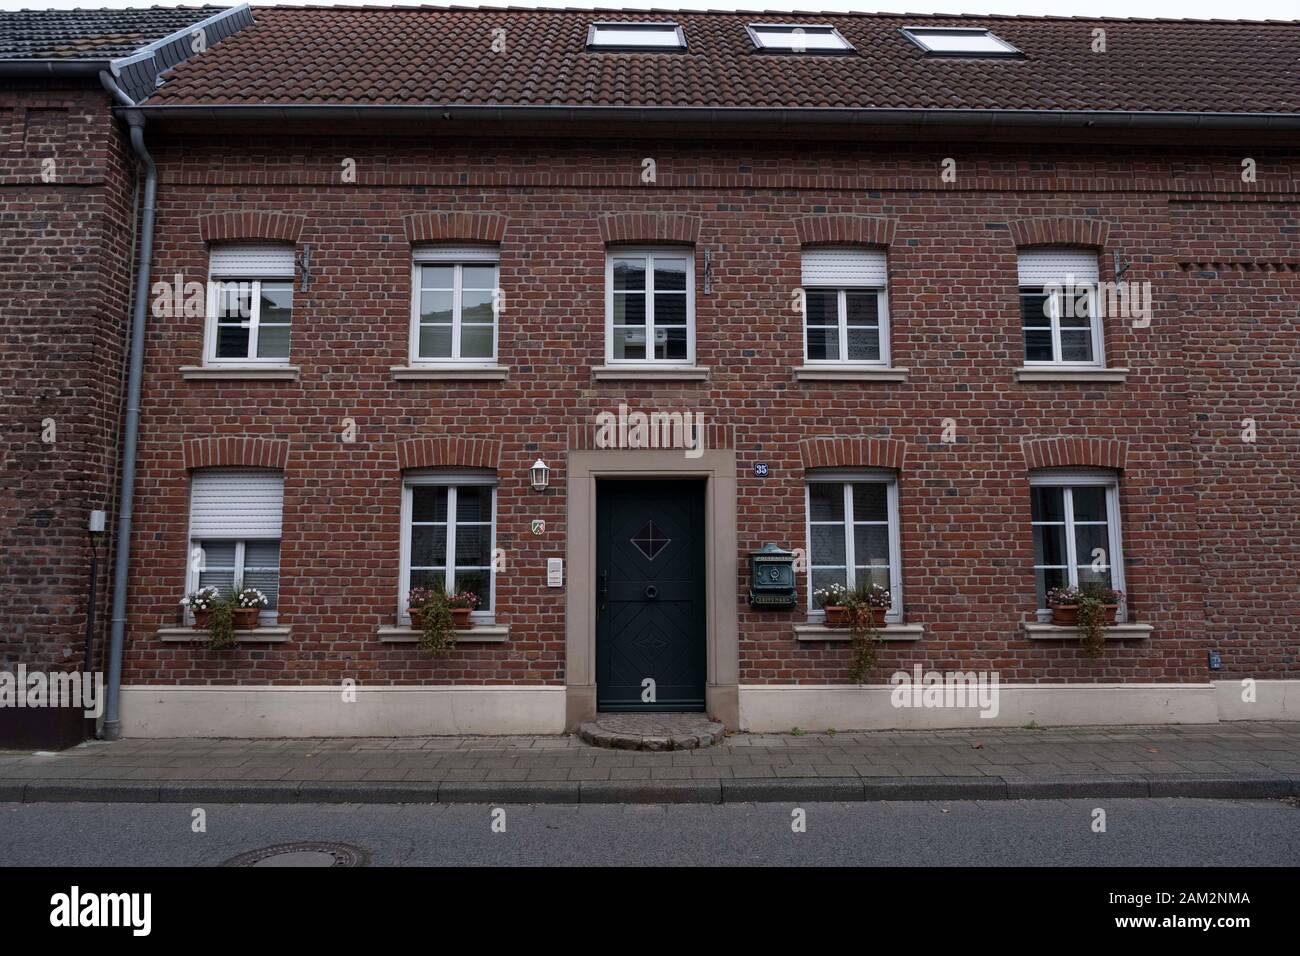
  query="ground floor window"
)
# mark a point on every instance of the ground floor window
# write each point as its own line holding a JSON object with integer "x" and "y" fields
{"x": 235, "y": 528}
{"x": 853, "y": 534}
{"x": 1075, "y": 518}
{"x": 449, "y": 536}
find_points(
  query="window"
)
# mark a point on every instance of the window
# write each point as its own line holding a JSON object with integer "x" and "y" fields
{"x": 846, "y": 315}
{"x": 235, "y": 518}
{"x": 796, "y": 38}
{"x": 250, "y": 304}
{"x": 959, "y": 41}
{"x": 650, "y": 306}
{"x": 448, "y": 535}
{"x": 1075, "y": 517}
{"x": 1058, "y": 307}
{"x": 454, "y": 306}
{"x": 853, "y": 533}
{"x": 636, "y": 36}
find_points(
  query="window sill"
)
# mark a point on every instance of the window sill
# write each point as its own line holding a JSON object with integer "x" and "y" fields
{"x": 477, "y": 634}
{"x": 450, "y": 372}
{"x": 286, "y": 373}
{"x": 650, "y": 373}
{"x": 890, "y": 632}
{"x": 1084, "y": 375}
{"x": 266, "y": 634}
{"x": 1114, "y": 632}
{"x": 850, "y": 373}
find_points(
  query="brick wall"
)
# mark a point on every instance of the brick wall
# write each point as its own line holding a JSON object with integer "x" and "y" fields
{"x": 65, "y": 228}
{"x": 966, "y": 544}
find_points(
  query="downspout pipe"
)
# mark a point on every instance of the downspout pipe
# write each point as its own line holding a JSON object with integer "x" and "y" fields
{"x": 131, "y": 426}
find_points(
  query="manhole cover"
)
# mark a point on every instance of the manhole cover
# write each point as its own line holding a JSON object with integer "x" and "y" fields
{"x": 303, "y": 854}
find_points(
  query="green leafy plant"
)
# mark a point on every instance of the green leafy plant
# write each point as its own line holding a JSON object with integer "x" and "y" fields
{"x": 221, "y": 623}
{"x": 1092, "y": 600}
{"x": 860, "y": 608}
{"x": 437, "y": 623}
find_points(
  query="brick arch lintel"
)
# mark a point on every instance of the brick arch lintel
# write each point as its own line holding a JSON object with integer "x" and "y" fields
{"x": 235, "y": 451}
{"x": 852, "y": 452}
{"x": 1059, "y": 231}
{"x": 648, "y": 227}
{"x": 845, "y": 230}
{"x": 446, "y": 451}
{"x": 1066, "y": 452}
{"x": 250, "y": 226}
{"x": 455, "y": 227}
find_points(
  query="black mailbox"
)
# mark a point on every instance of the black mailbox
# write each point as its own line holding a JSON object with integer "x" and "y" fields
{"x": 771, "y": 579}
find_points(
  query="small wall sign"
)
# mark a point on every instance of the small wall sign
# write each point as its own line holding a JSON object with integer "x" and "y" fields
{"x": 760, "y": 469}
{"x": 539, "y": 526}
{"x": 555, "y": 572}
{"x": 1215, "y": 661}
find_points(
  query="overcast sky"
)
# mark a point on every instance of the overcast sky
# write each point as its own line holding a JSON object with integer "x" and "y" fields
{"x": 1193, "y": 9}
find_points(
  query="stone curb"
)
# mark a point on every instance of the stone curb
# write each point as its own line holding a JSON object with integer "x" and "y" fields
{"x": 743, "y": 790}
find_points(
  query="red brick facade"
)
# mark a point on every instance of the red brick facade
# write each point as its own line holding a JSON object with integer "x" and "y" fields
{"x": 1208, "y": 519}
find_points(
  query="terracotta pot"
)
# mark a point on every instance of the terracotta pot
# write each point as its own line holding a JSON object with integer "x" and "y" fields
{"x": 460, "y": 617}
{"x": 1067, "y": 615}
{"x": 201, "y": 620}
{"x": 246, "y": 618}
{"x": 877, "y": 616}
{"x": 834, "y": 615}
{"x": 417, "y": 618}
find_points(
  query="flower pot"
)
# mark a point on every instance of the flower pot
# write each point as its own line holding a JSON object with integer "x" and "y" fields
{"x": 834, "y": 615}
{"x": 1067, "y": 615}
{"x": 201, "y": 620}
{"x": 246, "y": 618}
{"x": 877, "y": 615}
{"x": 417, "y": 618}
{"x": 460, "y": 617}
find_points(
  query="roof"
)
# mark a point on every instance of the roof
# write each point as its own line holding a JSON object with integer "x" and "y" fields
{"x": 429, "y": 56}
{"x": 90, "y": 34}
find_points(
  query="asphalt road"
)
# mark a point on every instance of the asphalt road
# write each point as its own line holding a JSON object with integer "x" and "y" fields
{"x": 1149, "y": 832}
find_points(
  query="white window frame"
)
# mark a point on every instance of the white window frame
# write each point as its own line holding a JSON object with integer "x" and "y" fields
{"x": 755, "y": 31}
{"x": 847, "y": 478}
{"x": 457, "y": 258}
{"x": 1090, "y": 478}
{"x": 649, "y": 26}
{"x": 1054, "y": 319}
{"x": 451, "y": 481}
{"x": 650, "y": 252}
{"x": 917, "y": 35}
{"x": 210, "y": 323}
{"x": 842, "y": 307}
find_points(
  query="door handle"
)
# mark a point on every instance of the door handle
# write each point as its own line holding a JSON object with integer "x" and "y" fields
{"x": 651, "y": 592}
{"x": 603, "y": 590}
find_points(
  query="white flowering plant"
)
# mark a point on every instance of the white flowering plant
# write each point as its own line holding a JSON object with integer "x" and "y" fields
{"x": 250, "y": 597}
{"x": 833, "y": 595}
{"x": 204, "y": 599}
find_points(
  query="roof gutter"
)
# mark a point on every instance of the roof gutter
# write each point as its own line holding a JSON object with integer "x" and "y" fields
{"x": 52, "y": 67}
{"x": 131, "y": 425}
{"x": 847, "y": 116}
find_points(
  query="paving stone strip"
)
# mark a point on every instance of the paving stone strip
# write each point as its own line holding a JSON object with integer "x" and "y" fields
{"x": 1242, "y": 759}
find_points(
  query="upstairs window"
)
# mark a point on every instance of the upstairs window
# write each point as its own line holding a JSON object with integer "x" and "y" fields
{"x": 636, "y": 37}
{"x": 1059, "y": 311}
{"x": 650, "y": 306}
{"x": 959, "y": 41}
{"x": 846, "y": 316}
{"x": 797, "y": 38}
{"x": 235, "y": 520}
{"x": 250, "y": 305}
{"x": 455, "y": 305}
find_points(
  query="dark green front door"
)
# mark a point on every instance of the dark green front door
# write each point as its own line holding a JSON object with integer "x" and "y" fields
{"x": 650, "y": 623}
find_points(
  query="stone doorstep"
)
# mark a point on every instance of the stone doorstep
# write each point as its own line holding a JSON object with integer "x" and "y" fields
{"x": 652, "y": 731}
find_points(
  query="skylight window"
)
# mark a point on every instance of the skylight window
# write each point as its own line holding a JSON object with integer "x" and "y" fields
{"x": 635, "y": 36}
{"x": 959, "y": 41}
{"x": 798, "y": 38}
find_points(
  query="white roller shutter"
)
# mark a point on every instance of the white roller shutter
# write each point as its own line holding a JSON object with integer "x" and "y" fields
{"x": 252, "y": 262}
{"x": 1044, "y": 266}
{"x": 457, "y": 254}
{"x": 844, "y": 267}
{"x": 236, "y": 503}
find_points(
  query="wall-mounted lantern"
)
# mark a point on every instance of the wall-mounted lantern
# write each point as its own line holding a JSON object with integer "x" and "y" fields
{"x": 540, "y": 474}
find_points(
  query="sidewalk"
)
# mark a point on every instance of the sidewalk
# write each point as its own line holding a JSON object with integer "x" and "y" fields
{"x": 1259, "y": 760}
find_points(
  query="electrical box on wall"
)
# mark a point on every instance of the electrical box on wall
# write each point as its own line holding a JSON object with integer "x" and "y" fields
{"x": 771, "y": 579}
